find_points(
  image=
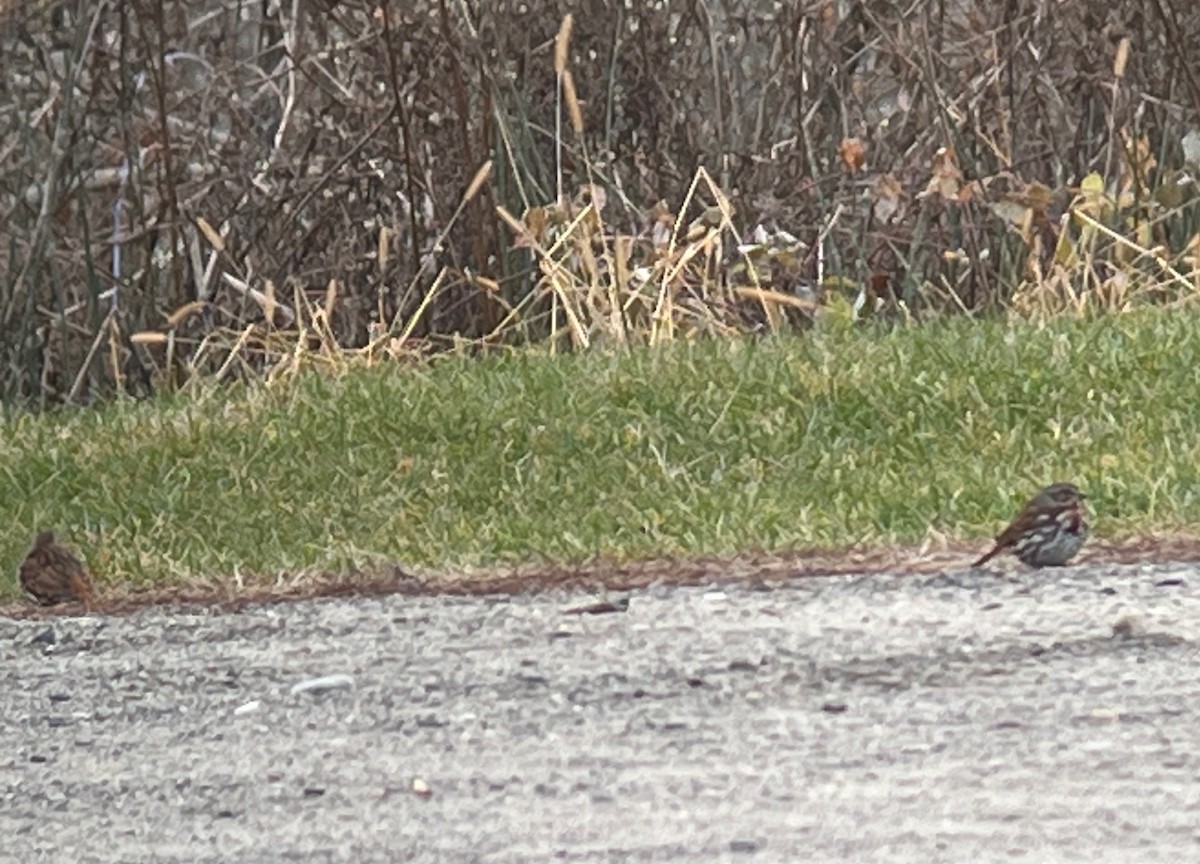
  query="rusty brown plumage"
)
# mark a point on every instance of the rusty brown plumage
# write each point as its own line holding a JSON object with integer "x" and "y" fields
{"x": 52, "y": 574}
{"x": 1048, "y": 532}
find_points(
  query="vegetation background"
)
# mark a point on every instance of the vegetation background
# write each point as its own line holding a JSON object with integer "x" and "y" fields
{"x": 218, "y": 188}
{"x": 939, "y": 208}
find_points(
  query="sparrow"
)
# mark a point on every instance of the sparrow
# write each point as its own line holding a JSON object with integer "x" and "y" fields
{"x": 52, "y": 574}
{"x": 1048, "y": 532}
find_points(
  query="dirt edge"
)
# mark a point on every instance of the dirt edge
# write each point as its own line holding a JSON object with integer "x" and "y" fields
{"x": 229, "y": 596}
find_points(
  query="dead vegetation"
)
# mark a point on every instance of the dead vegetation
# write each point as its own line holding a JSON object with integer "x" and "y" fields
{"x": 217, "y": 188}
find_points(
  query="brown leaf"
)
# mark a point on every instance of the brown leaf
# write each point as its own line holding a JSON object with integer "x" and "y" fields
{"x": 886, "y": 193}
{"x": 946, "y": 175}
{"x": 853, "y": 154}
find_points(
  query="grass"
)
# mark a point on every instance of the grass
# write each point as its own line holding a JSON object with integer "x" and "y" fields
{"x": 841, "y": 436}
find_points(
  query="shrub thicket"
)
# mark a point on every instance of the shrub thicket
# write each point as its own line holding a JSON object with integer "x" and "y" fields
{"x": 219, "y": 187}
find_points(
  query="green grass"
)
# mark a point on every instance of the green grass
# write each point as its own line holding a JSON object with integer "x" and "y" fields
{"x": 715, "y": 447}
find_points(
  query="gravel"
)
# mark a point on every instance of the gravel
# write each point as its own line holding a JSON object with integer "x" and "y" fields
{"x": 1039, "y": 716}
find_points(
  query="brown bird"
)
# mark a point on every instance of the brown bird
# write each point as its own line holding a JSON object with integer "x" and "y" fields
{"x": 51, "y": 574}
{"x": 1048, "y": 532}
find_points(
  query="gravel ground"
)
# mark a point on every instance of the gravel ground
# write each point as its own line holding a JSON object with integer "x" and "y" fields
{"x": 885, "y": 718}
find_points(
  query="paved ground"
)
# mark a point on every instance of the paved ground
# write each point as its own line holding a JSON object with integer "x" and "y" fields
{"x": 884, "y": 718}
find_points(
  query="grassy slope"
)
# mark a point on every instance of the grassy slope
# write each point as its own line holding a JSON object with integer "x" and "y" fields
{"x": 716, "y": 447}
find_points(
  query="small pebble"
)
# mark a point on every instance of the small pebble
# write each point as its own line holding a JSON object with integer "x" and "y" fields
{"x": 744, "y": 846}
{"x": 600, "y": 608}
{"x": 325, "y": 682}
{"x": 1128, "y": 627}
